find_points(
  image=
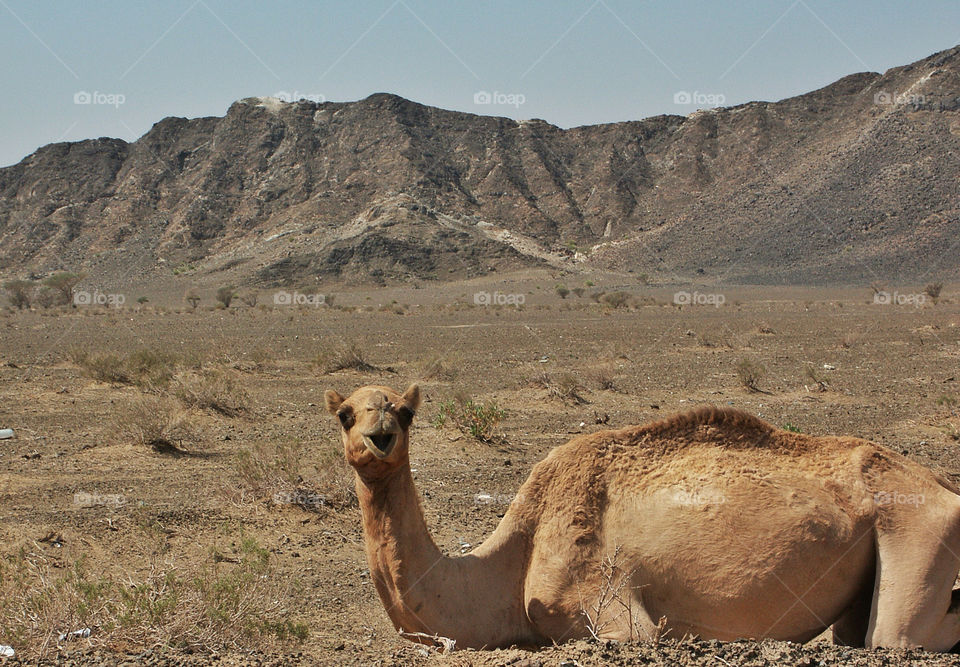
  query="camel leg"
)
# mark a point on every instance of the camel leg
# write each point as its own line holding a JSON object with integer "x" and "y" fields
{"x": 851, "y": 628}
{"x": 918, "y": 558}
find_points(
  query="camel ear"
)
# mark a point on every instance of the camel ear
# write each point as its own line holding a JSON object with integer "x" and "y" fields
{"x": 333, "y": 401}
{"x": 411, "y": 397}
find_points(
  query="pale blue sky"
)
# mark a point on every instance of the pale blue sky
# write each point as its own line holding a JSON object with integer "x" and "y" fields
{"x": 571, "y": 62}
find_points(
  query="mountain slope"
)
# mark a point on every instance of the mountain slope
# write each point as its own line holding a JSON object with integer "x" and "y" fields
{"x": 857, "y": 181}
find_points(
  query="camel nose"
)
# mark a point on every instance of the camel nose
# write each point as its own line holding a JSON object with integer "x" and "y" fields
{"x": 381, "y": 404}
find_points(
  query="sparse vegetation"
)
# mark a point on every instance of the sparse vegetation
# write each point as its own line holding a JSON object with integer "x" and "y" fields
{"x": 18, "y": 293}
{"x": 478, "y": 420}
{"x": 211, "y": 606}
{"x": 192, "y": 298}
{"x": 158, "y": 422}
{"x": 933, "y": 290}
{"x": 562, "y": 291}
{"x": 345, "y": 357}
{"x": 790, "y": 427}
{"x": 566, "y": 387}
{"x": 63, "y": 284}
{"x": 749, "y": 373}
{"x": 275, "y": 473}
{"x": 818, "y": 379}
{"x": 218, "y": 391}
{"x": 225, "y": 295}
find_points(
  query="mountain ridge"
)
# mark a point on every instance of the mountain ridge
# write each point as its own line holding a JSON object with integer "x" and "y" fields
{"x": 853, "y": 182}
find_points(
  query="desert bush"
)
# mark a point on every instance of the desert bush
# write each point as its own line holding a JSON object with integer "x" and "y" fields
{"x": 192, "y": 298}
{"x": 562, "y": 291}
{"x": 819, "y": 379}
{"x": 63, "y": 284}
{"x": 933, "y": 290}
{"x": 792, "y": 428}
{"x": 198, "y": 607}
{"x": 158, "y": 422}
{"x": 225, "y": 295}
{"x": 147, "y": 368}
{"x": 218, "y": 391}
{"x": 107, "y": 367}
{"x": 18, "y": 293}
{"x": 615, "y": 299}
{"x": 478, "y": 420}
{"x": 46, "y": 297}
{"x": 438, "y": 368}
{"x": 577, "y": 291}
{"x": 345, "y": 357}
{"x": 566, "y": 387}
{"x": 275, "y": 473}
{"x": 749, "y": 373}
{"x": 603, "y": 378}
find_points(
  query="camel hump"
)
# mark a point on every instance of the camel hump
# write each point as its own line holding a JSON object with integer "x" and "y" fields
{"x": 721, "y": 418}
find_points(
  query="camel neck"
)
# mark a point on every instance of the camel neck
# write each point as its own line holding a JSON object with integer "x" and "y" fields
{"x": 477, "y": 598}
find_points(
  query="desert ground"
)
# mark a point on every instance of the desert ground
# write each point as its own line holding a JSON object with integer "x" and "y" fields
{"x": 176, "y": 487}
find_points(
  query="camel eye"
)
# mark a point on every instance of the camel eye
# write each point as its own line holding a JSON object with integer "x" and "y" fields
{"x": 346, "y": 419}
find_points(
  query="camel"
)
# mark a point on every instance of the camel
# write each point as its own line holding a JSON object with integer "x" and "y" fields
{"x": 711, "y": 523}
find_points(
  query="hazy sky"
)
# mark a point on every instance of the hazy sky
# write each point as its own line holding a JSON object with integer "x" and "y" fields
{"x": 74, "y": 69}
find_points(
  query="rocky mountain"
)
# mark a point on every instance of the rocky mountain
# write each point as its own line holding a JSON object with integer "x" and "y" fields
{"x": 857, "y": 181}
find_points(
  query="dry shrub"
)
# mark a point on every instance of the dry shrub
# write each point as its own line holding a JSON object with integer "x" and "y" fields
{"x": 603, "y": 378}
{"x": 566, "y": 387}
{"x": 218, "y": 391}
{"x": 108, "y": 368}
{"x": 749, "y": 373}
{"x": 207, "y": 607}
{"x": 274, "y": 472}
{"x": 156, "y": 421}
{"x": 347, "y": 357}
{"x": 615, "y": 299}
{"x": 933, "y": 290}
{"x": 146, "y": 368}
{"x": 438, "y": 368}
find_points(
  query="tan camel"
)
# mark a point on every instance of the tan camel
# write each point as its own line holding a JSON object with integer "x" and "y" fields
{"x": 711, "y": 523}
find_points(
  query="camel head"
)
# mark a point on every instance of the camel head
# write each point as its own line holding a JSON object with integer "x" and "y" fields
{"x": 375, "y": 424}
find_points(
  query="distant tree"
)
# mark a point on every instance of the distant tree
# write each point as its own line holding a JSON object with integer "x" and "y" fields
{"x": 18, "y": 292}
{"x": 47, "y": 297}
{"x": 62, "y": 284}
{"x": 933, "y": 290}
{"x": 192, "y": 298}
{"x": 225, "y": 295}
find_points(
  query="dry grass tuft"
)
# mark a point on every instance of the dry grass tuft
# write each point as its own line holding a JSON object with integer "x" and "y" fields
{"x": 565, "y": 388}
{"x": 750, "y": 373}
{"x": 208, "y": 607}
{"x": 275, "y": 473}
{"x": 347, "y": 357}
{"x": 219, "y": 391}
{"x": 158, "y": 422}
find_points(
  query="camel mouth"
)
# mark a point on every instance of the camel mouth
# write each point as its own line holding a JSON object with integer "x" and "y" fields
{"x": 381, "y": 444}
